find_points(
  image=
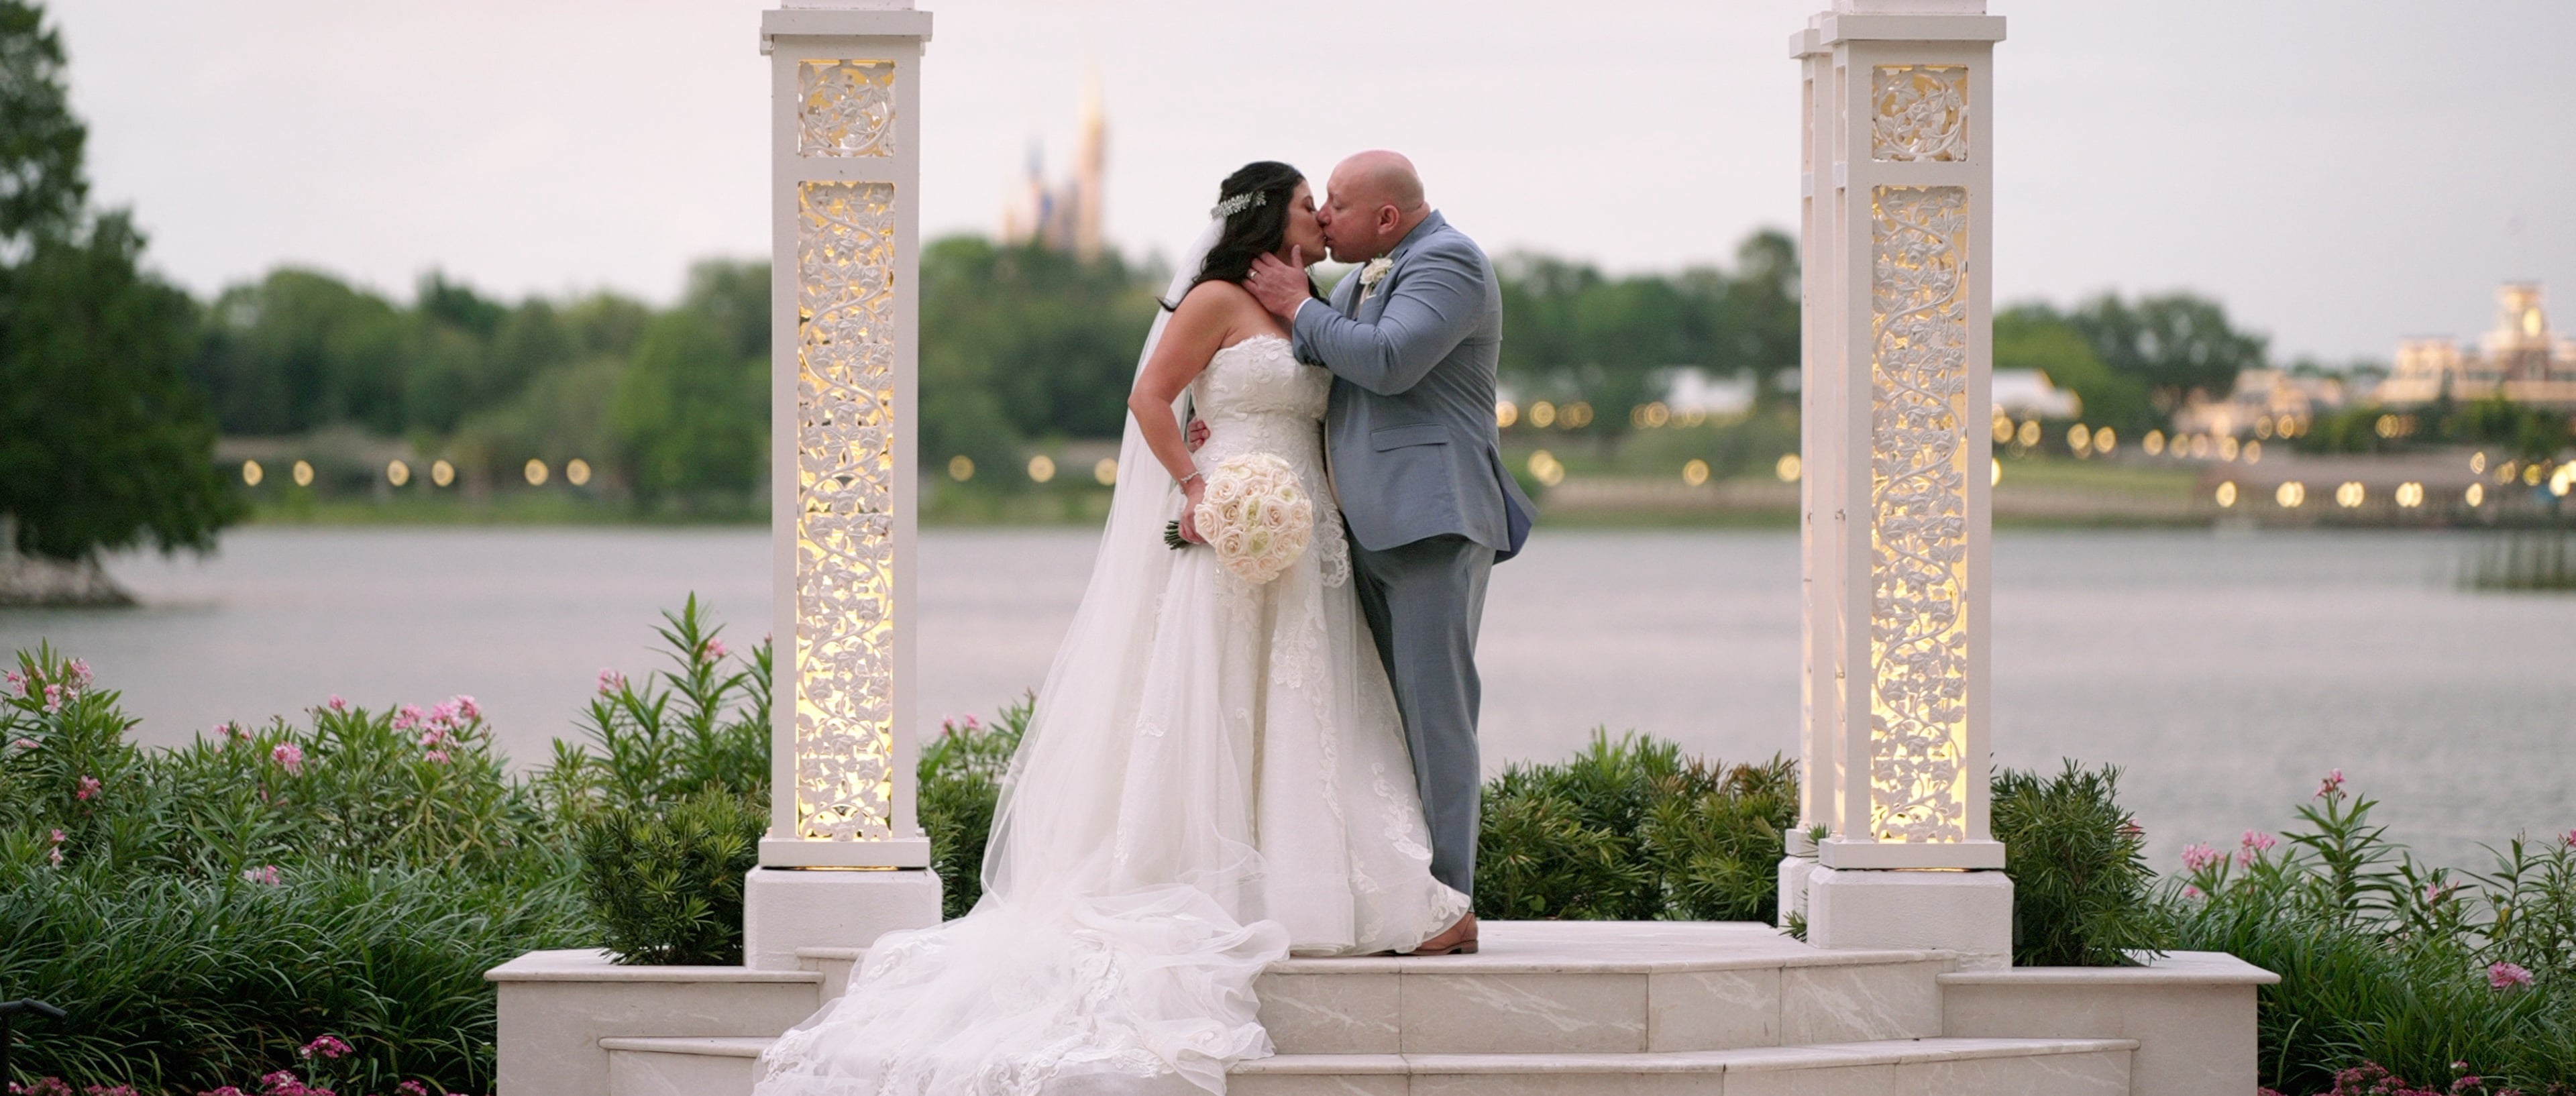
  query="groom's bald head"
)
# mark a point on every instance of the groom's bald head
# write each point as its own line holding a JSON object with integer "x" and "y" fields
{"x": 1374, "y": 199}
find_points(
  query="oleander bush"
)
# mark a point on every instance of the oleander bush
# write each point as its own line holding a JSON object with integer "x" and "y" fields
{"x": 208, "y": 912}
{"x": 2391, "y": 968}
{"x": 669, "y": 795}
{"x": 961, "y": 773}
{"x": 1632, "y": 830}
{"x": 2083, "y": 895}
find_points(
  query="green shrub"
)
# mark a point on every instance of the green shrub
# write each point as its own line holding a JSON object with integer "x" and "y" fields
{"x": 961, "y": 775}
{"x": 1630, "y": 830}
{"x": 664, "y": 880}
{"x": 670, "y": 810}
{"x": 2386, "y": 962}
{"x": 204, "y": 911}
{"x": 2083, "y": 895}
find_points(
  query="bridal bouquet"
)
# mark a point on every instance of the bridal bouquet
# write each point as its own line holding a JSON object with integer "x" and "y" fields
{"x": 1255, "y": 514}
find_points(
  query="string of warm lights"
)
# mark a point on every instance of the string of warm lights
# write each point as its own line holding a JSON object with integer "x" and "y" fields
{"x": 398, "y": 473}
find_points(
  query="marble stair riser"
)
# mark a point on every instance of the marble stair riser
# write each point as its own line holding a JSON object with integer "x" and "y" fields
{"x": 1599, "y": 1012}
{"x": 2100, "y": 1070}
{"x": 646, "y": 1073}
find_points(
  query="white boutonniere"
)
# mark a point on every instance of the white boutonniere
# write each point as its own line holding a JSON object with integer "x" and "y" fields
{"x": 1373, "y": 272}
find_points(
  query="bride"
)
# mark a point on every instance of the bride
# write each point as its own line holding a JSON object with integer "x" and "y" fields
{"x": 1215, "y": 776}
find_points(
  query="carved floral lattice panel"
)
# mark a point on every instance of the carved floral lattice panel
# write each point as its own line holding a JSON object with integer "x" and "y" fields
{"x": 1918, "y": 112}
{"x": 1918, "y": 567}
{"x": 845, "y": 108}
{"x": 845, "y": 433}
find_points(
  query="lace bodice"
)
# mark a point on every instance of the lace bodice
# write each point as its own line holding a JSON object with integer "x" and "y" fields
{"x": 1256, "y": 397}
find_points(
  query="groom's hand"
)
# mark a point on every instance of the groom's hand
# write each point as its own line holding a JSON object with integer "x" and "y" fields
{"x": 1279, "y": 286}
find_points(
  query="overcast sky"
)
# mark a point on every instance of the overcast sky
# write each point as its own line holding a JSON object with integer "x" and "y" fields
{"x": 2340, "y": 174}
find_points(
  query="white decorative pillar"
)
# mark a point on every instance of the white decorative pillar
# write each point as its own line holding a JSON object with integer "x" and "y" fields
{"x": 1898, "y": 215}
{"x": 844, "y": 860}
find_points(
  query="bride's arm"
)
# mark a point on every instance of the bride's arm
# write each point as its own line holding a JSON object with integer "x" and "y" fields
{"x": 1196, "y": 331}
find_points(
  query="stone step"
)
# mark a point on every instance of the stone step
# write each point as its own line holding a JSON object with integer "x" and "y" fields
{"x": 1604, "y": 988}
{"x": 1901, "y": 1067}
{"x": 1594, "y": 987}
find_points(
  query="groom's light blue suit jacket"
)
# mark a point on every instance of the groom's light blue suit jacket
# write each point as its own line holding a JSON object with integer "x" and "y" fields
{"x": 1410, "y": 431}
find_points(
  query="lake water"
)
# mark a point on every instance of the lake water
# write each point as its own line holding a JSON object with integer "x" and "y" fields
{"x": 2226, "y": 672}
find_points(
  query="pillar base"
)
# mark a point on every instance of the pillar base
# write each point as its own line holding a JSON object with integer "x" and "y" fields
{"x": 784, "y": 909}
{"x": 1967, "y": 912}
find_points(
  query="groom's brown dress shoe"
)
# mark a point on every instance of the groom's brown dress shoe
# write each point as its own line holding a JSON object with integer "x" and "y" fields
{"x": 1458, "y": 939}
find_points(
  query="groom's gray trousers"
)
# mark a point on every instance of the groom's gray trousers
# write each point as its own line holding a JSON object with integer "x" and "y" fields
{"x": 1424, "y": 601}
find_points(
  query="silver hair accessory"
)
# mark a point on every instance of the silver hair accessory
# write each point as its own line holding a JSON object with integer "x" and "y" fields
{"x": 1250, "y": 199}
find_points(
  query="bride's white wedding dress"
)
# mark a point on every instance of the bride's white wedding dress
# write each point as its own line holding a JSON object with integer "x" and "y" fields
{"x": 1215, "y": 777}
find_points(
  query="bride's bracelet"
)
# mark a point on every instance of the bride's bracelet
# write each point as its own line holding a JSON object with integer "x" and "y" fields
{"x": 1185, "y": 480}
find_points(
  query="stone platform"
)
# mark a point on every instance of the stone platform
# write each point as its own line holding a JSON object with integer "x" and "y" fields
{"x": 1570, "y": 1008}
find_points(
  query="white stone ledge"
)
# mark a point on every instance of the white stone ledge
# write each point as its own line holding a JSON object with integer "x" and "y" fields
{"x": 1617, "y": 947}
{"x": 593, "y": 965}
{"x": 1750, "y": 1059}
{"x": 2175, "y": 968}
{"x": 704, "y": 1047}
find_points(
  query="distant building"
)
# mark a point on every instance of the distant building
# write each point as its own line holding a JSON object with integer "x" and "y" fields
{"x": 2262, "y": 403}
{"x": 2520, "y": 359}
{"x": 2026, "y": 393}
{"x": 1064, "y": 215}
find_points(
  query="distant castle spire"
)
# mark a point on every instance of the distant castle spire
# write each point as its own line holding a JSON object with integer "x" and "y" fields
{"x": 1065, "y": 216}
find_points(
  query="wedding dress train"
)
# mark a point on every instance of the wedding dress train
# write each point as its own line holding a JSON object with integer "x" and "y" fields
{"x": 1215, "y": 777}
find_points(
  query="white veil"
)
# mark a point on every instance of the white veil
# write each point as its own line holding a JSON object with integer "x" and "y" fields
{"x": 1090, "y": 707}
{"x": 1106, "y": 955}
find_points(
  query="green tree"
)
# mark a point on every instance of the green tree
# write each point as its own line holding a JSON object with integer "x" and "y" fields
{"x": 1020, "y": 342}
{"x": 2034, "y": 336}
{"x": 1761, "y": 332}
{"x": 692, "y": 415}
{"x": 103, "y": 442}
{"x": 300, "y": 349}
{"x": 2175, "y": 344}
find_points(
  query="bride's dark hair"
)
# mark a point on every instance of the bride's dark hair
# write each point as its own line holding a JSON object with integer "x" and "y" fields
{"x": 1253, "y": 231}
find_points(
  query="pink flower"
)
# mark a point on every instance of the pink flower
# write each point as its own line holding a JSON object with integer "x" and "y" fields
{"x": 290, "y": 756}
{"x": 408, "y": 718}
{"x": 443, "y": 712}
{"x": 715, "y": 649}
{"x": 411, "y": 1088}
{"x": 265, "y": 874}
{"x": 29, "y": 744}
{"x": 466, "y": 708}
{"x": 430, "y": 738}
{"x": 17, "y": 684}
{"x": 610, "y": 680}
{"x": 227, "y": 1090}
{"x": 2507, "y": 976}
{"x": 2191, "y": 892}
{"x": 337, "y": 704}
{"x": 326, "y": 1047}
{"x": 436, "y": 757}
{"x": 2199, "y": 857}
{"x": 79, "y": 673}
{"x": 974, "y": 724}
{"x": 2568, "y": 838}
{"x": 58, "y": 837}
{"x": 2259, "y": 842}
{"x": 2434, "y": 893}
{"x": 88, "y": 788}
{"x": 54, "y": 853}
{"x": 53, "y": 698}
{"x": 2332, "y": 785}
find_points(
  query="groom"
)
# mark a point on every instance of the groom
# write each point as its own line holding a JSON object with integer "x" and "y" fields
{"x": 1413, "y": 339}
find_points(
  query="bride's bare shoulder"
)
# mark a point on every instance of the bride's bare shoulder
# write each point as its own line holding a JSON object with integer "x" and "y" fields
{"x": 1217, "y": 297}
